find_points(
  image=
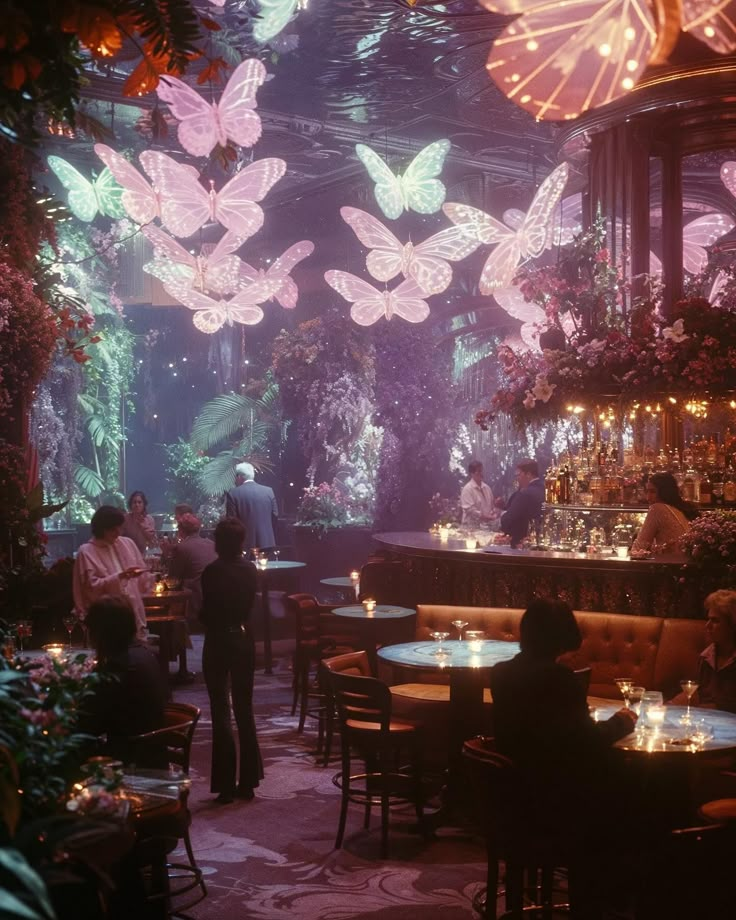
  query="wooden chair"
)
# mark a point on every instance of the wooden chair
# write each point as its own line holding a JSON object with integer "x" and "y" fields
{"x": 366, "y": 727}
{"x": 349, "y": 663}
{"x": 175, "y": 740}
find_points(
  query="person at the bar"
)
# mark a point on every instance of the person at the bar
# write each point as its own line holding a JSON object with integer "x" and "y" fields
{"x": 525, "y": 505}
{"x": 476, "y": 497}
{"x": 668, "y": 517}
{"x": 139, "y": 526}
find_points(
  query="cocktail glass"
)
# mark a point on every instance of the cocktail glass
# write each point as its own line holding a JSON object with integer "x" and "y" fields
{"x": 439, "y": 637}
{"x": 24, "y": 630}
{"x": 70, "y": 623}
{"x": 460, "y": 626}
{"x": 688, "y": 688}
{"x": 624, "y": 685}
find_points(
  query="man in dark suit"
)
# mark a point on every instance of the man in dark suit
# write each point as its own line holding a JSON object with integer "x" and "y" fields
{"x": 255, "y": 506}
{"x": 525, "y": 505}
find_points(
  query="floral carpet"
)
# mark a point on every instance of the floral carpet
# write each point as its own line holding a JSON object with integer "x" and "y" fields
{"x": 274, "y": 857}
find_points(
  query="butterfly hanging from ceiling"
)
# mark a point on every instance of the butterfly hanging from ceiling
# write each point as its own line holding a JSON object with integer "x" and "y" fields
{"x": 557, "y": 60}
{"x": 418, "y": 189}
{"x": 698, "y": 234}
{"x": 88, "y": 198}
{"x": 427, "y": 262}
{"x": 369, "y": 304}
{"x": 532, "y": 316}
{"x": 274, "y": 16}
{"x": 211, "y": 315}
{"x": 186, "y": 205}
{"x": 202, "y": 124}
{"x": 285, "y": 290}
{"x": 522, "y": 236}
{"x": 216, "y": 270}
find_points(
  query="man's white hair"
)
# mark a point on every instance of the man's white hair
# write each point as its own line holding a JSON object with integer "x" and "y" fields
{"x": 246, "y": 470}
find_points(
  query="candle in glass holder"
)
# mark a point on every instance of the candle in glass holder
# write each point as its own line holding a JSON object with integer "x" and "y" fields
{"x": 471, "y": 543}
{"x": 369, "y": 605}
{"x": 355, "y": 576}
{"x": 262, "y": 563}
{"x": 655, "y": 716}
{"x": 444, "y": 534}
{"x": 622, "y": 552}
{"x": 159, "y": 588}
{"x": 474, "y": 638}
{"x": 54, "y": 650}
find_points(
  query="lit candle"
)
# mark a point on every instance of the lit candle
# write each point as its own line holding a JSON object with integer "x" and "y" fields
{"x": 471, "y": 543}
{"x": 262, "y": 563}
{"x": 158, "y": 589}
{"x": 444, "y": 534}
{"x": 355, "y": 576}
{"x": 369, "y": 605}
{"x": 54, "y": 650}
{"x": 655, "y": 716}
{"x": 622, "y": 552}
{"x": 474, "y": 638}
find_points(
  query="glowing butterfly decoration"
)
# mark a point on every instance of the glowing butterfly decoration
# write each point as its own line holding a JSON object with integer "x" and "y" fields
{"x": 88, "y": 198}
{"x": 210, "y": 315}
{"x": 699, "y": 233}
{"x": 186, "y": 205}
{"x": 567, "y": 221}
{"x": 523, "y": 236}
{"x": 203, "y": 125}
{"x": 369, "y": 304}
{"x": 426, "y": 262}
{"x": 557, "y": 60}
{"x": 275, "y": 15}
{"x": 285, "y": 290}
{"x": 532, "y": 317}
{"x": 418, "y": 189}
{"x": 217, "y": 271}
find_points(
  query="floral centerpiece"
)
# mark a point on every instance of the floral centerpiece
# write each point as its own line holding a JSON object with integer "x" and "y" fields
{"x": 710, "y": 545}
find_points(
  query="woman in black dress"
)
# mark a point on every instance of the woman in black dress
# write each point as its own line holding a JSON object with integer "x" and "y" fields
{"x": 228, "y": 660}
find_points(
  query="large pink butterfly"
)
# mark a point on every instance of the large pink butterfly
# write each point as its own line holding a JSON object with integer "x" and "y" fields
{"x": 425, "y": 262}
{"x": 286, "y": 291}
{"x": 186, "y": 205}
{"x": 211, "y": 315}
{"x": 216, "y": 270}
{"x": 532, "y": 317}
{"x": 202, "y": 124}
{"x": 558, "y": 59}
{"x": 370, "y": 304}
{"x": 524, "y": 236}
{"x": 699, "y": 233}
{"x": 140, "y": 199}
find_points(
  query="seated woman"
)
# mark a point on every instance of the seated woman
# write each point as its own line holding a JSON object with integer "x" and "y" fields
{"x": 188, "y": 559}
{"x": 132, "y": 701}
{"x": 139, "y": 526}
{"x": 668, "y": 517}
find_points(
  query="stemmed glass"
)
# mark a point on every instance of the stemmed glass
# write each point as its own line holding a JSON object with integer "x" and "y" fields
{"x": 460, "y": 626}
{"x": 624, "y": 685}
{"x": 24, "y": 630}
{"x": 276, "y": 554}
{"x": 70, "y": 622}
{"x": 439, "y": 637}
{"x": 688, "y": 688}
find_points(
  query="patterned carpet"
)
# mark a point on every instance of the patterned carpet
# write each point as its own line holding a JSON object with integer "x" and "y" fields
{"x": 273, "y": 858}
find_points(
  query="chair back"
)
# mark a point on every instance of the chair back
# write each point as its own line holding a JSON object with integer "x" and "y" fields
{"x": 306, "y": 611}
{"x": 349, "y": 663}
{"x": 362, "y": 702}
{"x": 174, "y": 739}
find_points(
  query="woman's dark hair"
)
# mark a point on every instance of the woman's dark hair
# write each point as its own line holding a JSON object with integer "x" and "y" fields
{"x": 229, "y": 539}
{"x": 668, "y": 492}
{"x": 106, "y": 518}
{"x": 137, "y": 495}
{"x": 474, "y": 466}
{"x": 549, "y": 628}
{"x": 111, "y": 624}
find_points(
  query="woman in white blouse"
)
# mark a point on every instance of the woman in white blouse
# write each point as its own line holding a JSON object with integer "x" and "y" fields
{"x": 668, "y": 517}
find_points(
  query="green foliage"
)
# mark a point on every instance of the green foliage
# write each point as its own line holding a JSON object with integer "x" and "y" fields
{"x": 183, "y": 468}
{"x": 23, "y": 893}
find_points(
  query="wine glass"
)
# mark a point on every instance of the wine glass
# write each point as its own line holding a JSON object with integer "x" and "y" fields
{"x": 276, "y": 554}
{"x": 635, "y": 695}
{"x": 70, "y": 622}
{"x": 24, "y": 630}
{"x": 460, "y": 626}
{"x": 688, "y": 688}
{"x": 439, "y": 637}
{"x": 624, "y": 685}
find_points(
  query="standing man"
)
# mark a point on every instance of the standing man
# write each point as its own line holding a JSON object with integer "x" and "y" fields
{"x": 476, "y": 497}
{"x": 255, "y": 506}
{"x": 525, "y": 505}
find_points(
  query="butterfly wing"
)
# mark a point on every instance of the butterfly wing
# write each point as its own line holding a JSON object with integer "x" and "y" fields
{"x": 537, "y": 225}
{"x": 109, "y": 195}
{"x": 274, "y": 15}
{"x": 287, "y": 293}
{"x": 248, "y": 272}
{"x": 138, "y": 197}
{"x": 235, "y": 114}
{"x": 385, "y": 259}
{"x": 243, "y": 307}
{"x": 700, "y": 233}
{"x": 184, "y": 203}
{"x": 235, "y": 204}
{"x": 428, "y": 260}
{"x": 421, "y": 189}
{"x": 501, "y": 265}
{"x": 477, "y": 224}
{"x": 81, "y": 198}
{"x": 567, "y": 221}
{"x": 164, "y": 247}
{"x": 388, "y": 190}
{"x": 558, "y": 60}
{"x": 406, "y": 301}
{"x": 210, "y": 314}
{"x": 368, "y": 303}
{"x": 197, "y": 118}
{"x": 712, "y": 21}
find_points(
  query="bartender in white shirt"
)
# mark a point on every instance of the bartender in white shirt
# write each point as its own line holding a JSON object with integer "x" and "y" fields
{"x": 476, "y": 497}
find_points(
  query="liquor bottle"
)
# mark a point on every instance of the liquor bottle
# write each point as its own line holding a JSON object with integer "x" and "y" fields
{"x": 550, "y": 486}
{"x": 712, "y": 454}
{"x": 688, "y": 485}
{"x": 563, "y": 481}
{"x": 716, "y": 480}
{"x": 729, "y": 487}
{"x": 706, "y": 488}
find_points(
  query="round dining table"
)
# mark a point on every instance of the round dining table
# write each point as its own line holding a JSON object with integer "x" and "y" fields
{"x": 384, "y": 625}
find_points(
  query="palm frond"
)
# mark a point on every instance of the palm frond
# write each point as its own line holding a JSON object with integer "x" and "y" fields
{"x": 89, "y": 481}
{"x": 254, "y": 439}
{"x": 219, "y": 474}
{"x": 89, "y": 405}
{"x": 221, "y": 418}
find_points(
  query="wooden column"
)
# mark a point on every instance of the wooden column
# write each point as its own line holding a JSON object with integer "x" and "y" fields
{"x": 672, "y": 225}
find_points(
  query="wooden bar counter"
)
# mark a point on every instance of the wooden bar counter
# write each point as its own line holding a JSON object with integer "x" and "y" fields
{"x": 498, "y": 576}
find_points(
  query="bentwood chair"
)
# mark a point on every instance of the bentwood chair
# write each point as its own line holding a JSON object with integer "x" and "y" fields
{"x": 174, "y": 742}
{"x": 349, "y": 663}
{"x": 367, "y": 728}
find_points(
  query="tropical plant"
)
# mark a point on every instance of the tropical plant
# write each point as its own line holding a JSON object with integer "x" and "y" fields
{"x": 183, "y": 468}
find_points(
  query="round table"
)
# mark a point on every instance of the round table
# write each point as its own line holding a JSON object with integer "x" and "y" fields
{"x": 379, "y": 627}
{"x": 346, "y": 588}
{"x": 279, "y": 565}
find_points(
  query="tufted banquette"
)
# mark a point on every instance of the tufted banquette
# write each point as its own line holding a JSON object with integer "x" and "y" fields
{"x": 656, "y": 652}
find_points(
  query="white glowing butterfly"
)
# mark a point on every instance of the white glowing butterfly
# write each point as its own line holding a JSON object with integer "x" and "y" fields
{"x": 567, "y": 221}
{"x": 558, "y": 59}
{"x": 217, "y": 270}
{"x": 186, "y": 205}
{"x": 285, "y": 290}
{"x": 88, "y": 198}
{"x": 418, "y": 189}
{"x": 425, "y": 262}
{"x": 369, "y": 304}
{"x": 275, "y": 15}
{"x": 203, "y": 125}
{"x": 699, "y": 233}
{"x": 532, "y": 317}
{"x": 211, "y": 315}
{"x": 522, "y": 237}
